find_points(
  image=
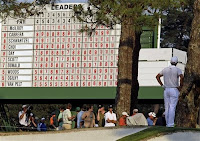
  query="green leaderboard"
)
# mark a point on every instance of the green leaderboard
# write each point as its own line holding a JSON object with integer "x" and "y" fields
{"x": 46, "y": 57}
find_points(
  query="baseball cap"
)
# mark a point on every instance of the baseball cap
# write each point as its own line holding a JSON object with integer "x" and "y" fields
{"x": 174, "y": 59}
{"x": 43, "y": 118}
{"x": 135, "y": 110}
{"x": 23, "y": 106}
{"x": 152, "y": 114}
{"x": 31, "y": 114}
{"x": 125, "y": 114}
{"x": 78, "y": 109}
{"x": 110, "y": 106}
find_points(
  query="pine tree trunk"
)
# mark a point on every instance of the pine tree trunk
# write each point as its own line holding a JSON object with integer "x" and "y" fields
{"x": 128, "y": 57}
{"x": 189, "y": 100}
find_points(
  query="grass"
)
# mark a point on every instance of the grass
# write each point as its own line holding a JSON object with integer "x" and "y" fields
{"x": 154, "y": 132}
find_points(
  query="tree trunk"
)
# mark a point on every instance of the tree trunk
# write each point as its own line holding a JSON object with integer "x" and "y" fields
{"x": 189, "y": 100}
{"x": 128, "y": 57}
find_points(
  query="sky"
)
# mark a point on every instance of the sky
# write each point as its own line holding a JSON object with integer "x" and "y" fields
{"x": 60, "y": 1}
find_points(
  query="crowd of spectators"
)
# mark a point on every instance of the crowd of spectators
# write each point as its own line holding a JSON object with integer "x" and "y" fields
{"x": 85, "y": 117}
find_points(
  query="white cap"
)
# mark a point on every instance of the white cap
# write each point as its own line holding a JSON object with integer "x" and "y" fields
{"x": 125, "y": 114}
{"x": 24, "y": 106}
{"x": 43, "y": 118}
{"x": 174, "y": 59}
{"x": 31, "y": 114}
{"x": 135, "y": 110}
{"x": 152, "y": 114}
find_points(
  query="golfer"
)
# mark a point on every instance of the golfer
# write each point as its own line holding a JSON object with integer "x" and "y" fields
{"x": 171, "y": 89}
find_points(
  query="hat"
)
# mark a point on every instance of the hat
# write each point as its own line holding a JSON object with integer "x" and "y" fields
{"x": 135, "y": 110}
{"x": 152, "y": 114}
{"x": 43, "y": 118}
{"x": 31, "y": 114}
{"x": 110, "y": 106}
{"x": 125, "y": 114}
{"x": 174, "y": 59}
{"x": 78, "y": 109}
{"x": 53, "y": 113}
{"x": 23, "y": 106}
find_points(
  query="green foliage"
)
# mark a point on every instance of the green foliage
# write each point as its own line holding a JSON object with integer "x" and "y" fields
{"x": 15, "y": 9}
{"x": 176, "y": 26}
{"x": 112, "y": 12}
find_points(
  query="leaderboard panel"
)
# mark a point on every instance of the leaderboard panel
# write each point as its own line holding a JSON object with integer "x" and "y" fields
{"x": 47, "y": 50}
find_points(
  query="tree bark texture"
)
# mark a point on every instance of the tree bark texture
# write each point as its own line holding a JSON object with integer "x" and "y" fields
{"x": 189, "y": 99}
{"x": 128, "y": 57}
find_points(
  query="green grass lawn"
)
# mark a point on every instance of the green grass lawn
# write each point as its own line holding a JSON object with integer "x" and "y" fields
{"x": 154, "y": 132}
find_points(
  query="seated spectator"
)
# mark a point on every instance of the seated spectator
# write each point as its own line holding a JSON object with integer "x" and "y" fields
{"x": 100, "y": 116}
{"x": 151, "y": 119}
{"x": 137, "y": 119}
{"x": 122, "y": 120}
{"x": 135, "y": 111}
{"x": 53, "y": 120}
{"x": 60, "y": 118}
{"x": 42, "y": 126}
{"x": 110, "y": 117}
{"x": 89, "y": 117}
{"x": 80, "y": 121}
{"x": 33, "y": 122}
{"x": 23, "y": 118}
{"x": 160, "y": 119}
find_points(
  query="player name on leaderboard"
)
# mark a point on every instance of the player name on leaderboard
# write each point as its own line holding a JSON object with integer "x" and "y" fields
{"x": 47, "y": 50}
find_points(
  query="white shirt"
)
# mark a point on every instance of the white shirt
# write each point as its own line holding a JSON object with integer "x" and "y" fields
{"x": 110, "y": 116}
{"x": 66, "y": 115}
{"x": 23, "y": 120}
{"x": 171, "y": 76}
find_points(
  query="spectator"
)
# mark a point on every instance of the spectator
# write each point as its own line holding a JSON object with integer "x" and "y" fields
{"x": 53, "y": 120}
{"x": 89, "y": 117}
{"x": 110, "y": 118}
{"x": 151, "y": 119}
{"x": 60, "y": 118}
{"x": 135, "y": 111}
{"x": 122, "y": 120}
{"x": 78, "y": 109}
{"x": 23, "y": 118}
{"x": 80, "y": 121}
{"x": 100, "y": 116}
{"x": 33, "y": 122}
{"x": 42, "y": 126}
{"x": 67, "y": 117}
{"x": 161, "y": 119}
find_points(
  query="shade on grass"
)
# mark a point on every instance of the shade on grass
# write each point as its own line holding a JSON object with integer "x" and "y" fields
{"x": 154, "y": 132}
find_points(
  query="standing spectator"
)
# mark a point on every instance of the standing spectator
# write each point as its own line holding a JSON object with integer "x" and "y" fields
{"x": 53, "y": 120}
{"x": 89, "y": 117}
{"x": 23, "y": 120}
{"x": 110, "y": 117}
{"x": 33, "y": 122}
{"x": 135, "y": 111}
{"x": 122, "y": 120}
{"x": 67, "y": 117}
{"x": 151, "y": 119}
{"x": 80, "y": 121}
{"x": 100, "y": 116}
{"x": 171, "y": 89}
{"x": 78, "y": 109}
{"x": 60, "y": 118}
{"x": 42, "y": 126}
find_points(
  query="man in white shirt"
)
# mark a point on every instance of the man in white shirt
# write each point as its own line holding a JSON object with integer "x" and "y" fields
{"x": 67, "y": 117}
{"x": 110, "y": 118}
{"x": 23, "y": 117}
{"x": 171, "y": 89}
